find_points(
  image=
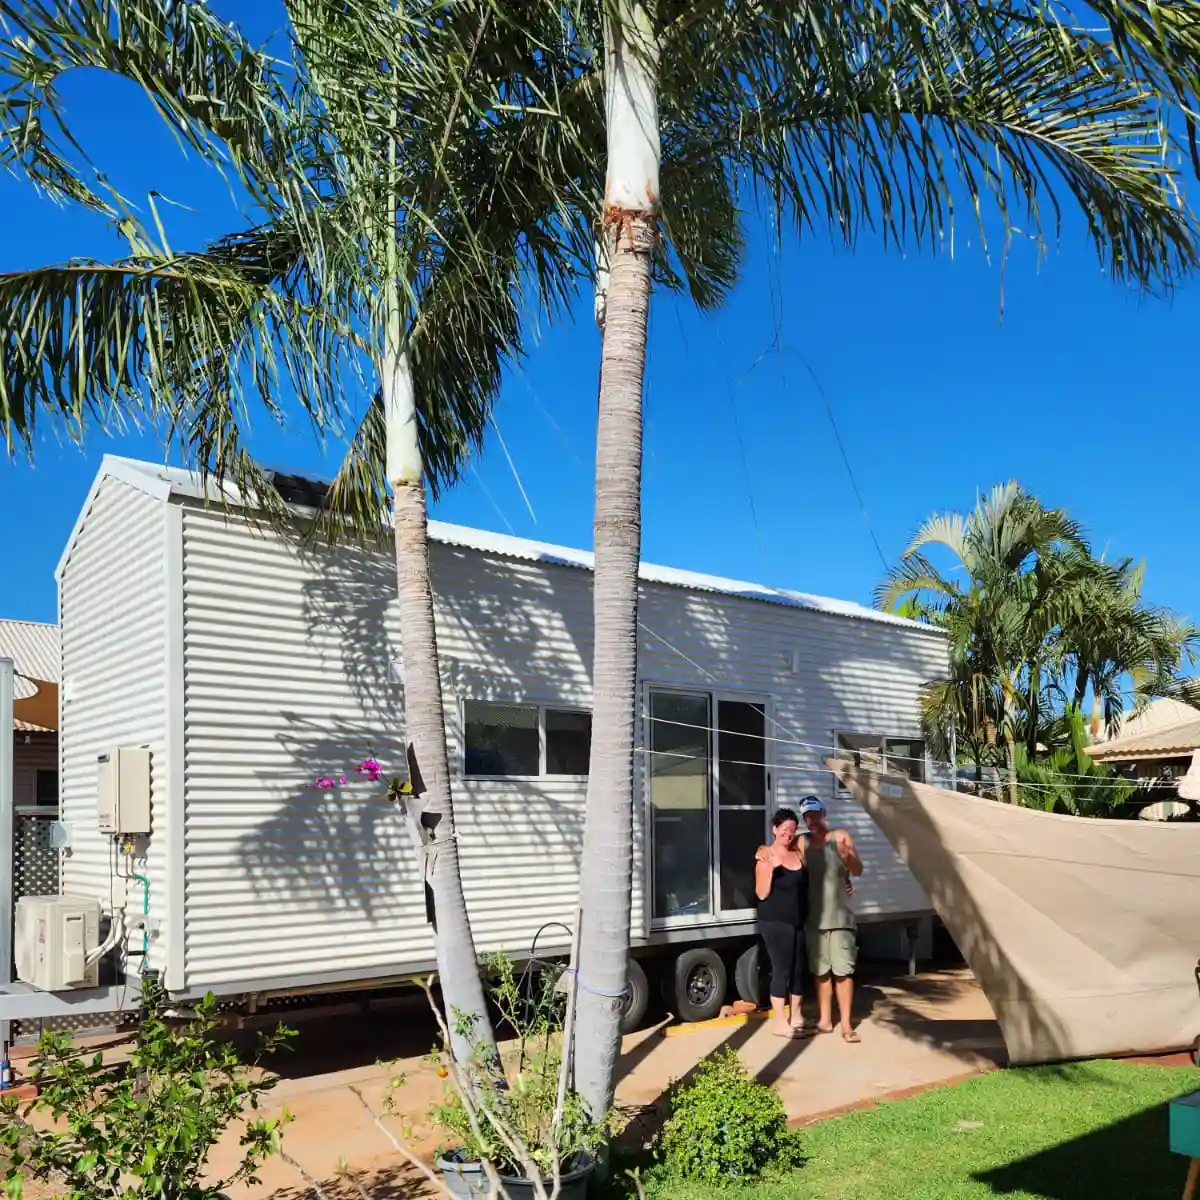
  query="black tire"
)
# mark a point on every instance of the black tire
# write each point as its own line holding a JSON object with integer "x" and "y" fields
{"x": 637, "y": 998}
{"x": 750, "y": 976}
{"x": 699, "y": 983}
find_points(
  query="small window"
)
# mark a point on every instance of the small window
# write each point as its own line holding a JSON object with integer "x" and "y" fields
{"x": 501, "y": 739}
{"x": 525, "y": 741}
{"x": 46, "y": 789}
{"x": 568, "y": 742}
{"x": 905, "y": 756}
{"x": 874, "y": 752}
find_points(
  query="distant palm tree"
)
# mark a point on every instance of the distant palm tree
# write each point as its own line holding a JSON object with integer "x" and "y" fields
{"x": 996, "y": 604}
{"x": 1110, "y": 636}
{"x": 1032, "y": 621}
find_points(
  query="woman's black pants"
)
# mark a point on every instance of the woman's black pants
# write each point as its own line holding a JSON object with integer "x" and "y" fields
{"x": 785, "y": 949}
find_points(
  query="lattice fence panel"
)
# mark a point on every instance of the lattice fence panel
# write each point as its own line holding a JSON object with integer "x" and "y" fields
{"x": 36, "y": 873}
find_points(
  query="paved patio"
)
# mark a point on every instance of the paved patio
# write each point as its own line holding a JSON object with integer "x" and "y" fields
{"x": 915, "y": 1033}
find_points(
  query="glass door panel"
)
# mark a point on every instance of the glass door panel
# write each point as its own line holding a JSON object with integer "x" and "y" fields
{"x": 680, "y": 777}
{"x": 742, "y": 798}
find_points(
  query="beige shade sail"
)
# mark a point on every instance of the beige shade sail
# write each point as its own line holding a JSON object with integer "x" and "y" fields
{"x": 1084, "y": 934}
{"x": 38, "y": 708}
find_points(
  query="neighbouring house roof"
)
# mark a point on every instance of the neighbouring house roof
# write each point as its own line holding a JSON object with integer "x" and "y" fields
{"x": 1164, "y": 729}
{"x": 33, "y": 647}
{"x": 163, "y": 482}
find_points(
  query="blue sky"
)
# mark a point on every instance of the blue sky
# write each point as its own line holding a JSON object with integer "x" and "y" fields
{"x": 1083, "y": 392}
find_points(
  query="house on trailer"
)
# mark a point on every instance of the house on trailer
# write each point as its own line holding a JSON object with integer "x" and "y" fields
{"x": 245, "y": 666}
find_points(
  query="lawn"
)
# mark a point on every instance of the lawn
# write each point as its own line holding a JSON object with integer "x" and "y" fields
{"x": 1093, "y": 1130}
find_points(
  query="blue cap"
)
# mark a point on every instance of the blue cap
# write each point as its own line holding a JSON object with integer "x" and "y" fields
{"x": 811, "y": 804}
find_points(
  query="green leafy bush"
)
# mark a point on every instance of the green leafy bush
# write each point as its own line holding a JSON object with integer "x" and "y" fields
{"x": 724, "y": 1126}
{"x": 141, "y": 1127}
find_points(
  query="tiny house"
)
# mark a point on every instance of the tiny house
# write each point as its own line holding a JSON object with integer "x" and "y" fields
{"x": 257, "y": 671}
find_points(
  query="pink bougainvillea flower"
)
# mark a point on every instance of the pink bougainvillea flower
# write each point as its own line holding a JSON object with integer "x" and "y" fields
{"x": 371, "y": 769}
{"x": 324, "y": 782}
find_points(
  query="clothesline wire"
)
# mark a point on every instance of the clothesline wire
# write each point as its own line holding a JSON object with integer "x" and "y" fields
{"x": 821, "y": 768}
{"x": 833, "y": 751}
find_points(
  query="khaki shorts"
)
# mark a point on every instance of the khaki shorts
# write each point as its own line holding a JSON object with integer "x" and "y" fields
{"x": 832, "y": 951}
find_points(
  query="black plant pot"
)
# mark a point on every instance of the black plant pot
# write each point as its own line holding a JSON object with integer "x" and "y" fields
{"x": 468, "y": 1179}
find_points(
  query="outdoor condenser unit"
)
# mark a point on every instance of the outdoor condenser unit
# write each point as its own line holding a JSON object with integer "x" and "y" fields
{"x": 53, "y": 937}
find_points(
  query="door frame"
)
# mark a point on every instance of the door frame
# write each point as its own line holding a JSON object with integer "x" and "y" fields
{"x": 715, "y": 695}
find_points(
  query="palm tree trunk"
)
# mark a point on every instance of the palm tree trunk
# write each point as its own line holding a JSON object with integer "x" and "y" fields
{"x": 430, "y": 807}
{"x": 630, "y": 220}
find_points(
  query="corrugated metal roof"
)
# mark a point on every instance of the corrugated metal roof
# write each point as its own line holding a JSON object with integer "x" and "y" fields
{"x": 176, "y": 481}
{"x": 33, "y": 647}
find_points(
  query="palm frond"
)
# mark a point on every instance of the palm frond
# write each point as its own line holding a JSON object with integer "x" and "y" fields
{"x": 137, "y": 338}
{"x": 884, "y": 118}
{"x": 220, "y": 95}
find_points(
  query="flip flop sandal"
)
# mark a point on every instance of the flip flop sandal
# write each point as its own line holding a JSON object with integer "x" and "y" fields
{"x": 852, "y": 1036}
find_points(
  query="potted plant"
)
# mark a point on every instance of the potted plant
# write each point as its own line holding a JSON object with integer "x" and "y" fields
{"x": 512, "y": 1126}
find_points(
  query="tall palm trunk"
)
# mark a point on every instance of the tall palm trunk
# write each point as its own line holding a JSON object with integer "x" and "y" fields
{"x": 430, "y": 807}
{"x": 631, "y": 227}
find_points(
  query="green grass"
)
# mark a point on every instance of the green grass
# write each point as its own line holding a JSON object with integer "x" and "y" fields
{"x": 1088, "y": 1130}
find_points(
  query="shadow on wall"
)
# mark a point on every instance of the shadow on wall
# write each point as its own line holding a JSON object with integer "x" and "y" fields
{"x": 512, "y": 631}
{"x": 347, "y": 847}
{"x": 343, "y": 847}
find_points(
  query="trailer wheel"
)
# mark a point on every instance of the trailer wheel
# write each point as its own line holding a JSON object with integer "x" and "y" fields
{"x": 637, "y": 997}
{"x": 699, "y": 983}
{"x": 748, "y": 976}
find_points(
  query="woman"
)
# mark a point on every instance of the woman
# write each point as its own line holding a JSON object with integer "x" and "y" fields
{"x": 781, "y": 884}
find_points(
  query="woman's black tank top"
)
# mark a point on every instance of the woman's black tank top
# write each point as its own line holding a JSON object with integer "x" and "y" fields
{"x": 788, "y": 901}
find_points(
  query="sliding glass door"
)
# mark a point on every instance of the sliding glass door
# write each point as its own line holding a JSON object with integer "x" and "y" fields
{"x": 708, "y": 776}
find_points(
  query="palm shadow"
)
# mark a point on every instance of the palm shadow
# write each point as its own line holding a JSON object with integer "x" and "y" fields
{"x": 1127, "y": 1158}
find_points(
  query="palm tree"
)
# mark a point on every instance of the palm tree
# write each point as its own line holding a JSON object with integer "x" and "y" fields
{"x": 1010, "y": 555}
{"x": 403, "y": 278}
{"x": 1111, "y": 635}
{"x": 1032, "y": 621}
{"x": 862, "y": 115}
{"x": 412, "y": 168}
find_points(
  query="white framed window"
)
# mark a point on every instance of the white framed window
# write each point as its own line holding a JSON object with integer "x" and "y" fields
{"x": 905, "y": 756}
{"x": 525, "y": 741}
{"x": 40, "y": 796}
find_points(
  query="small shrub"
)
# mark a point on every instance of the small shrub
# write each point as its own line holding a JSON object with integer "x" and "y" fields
{"x": 725, "y": 1126}
{"x": 144, "y": 1127}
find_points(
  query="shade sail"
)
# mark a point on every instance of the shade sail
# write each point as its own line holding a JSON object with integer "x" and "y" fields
{"x": 39, "y": 709}
{"x": 1084, "y": 934}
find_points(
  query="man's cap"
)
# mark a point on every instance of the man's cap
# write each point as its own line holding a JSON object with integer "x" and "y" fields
{"x": 811, "y": 804}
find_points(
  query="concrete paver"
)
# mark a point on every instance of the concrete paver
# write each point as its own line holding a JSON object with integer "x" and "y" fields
{"x": 915, "y": 1033}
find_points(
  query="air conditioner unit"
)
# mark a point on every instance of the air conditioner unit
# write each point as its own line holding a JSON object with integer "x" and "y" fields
{"x": 52, "y": 939}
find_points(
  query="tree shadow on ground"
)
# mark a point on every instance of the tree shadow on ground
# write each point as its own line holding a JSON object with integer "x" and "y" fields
{"x": 1127, "y": 1158}
{"x": 399, "y": 1182}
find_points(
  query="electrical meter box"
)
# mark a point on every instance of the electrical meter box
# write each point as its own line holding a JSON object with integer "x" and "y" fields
{"x": 53, "y": 936}
{"x": 123, "y": 792}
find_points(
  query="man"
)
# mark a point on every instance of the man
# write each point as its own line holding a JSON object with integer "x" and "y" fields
{"x": 832, "y": 943}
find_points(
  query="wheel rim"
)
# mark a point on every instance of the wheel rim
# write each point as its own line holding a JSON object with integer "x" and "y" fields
{"x": 701, "y": 984}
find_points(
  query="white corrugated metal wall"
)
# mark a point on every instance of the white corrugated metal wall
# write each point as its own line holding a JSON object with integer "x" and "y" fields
{"x": 287, "y": 674}
{"x": 112, "y": 600}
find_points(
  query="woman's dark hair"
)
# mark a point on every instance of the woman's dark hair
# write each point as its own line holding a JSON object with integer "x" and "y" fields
{"x": 784, "y": 814}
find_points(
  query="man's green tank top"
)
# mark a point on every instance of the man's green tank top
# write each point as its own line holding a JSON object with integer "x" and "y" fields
{"x": 828, "y": 904}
